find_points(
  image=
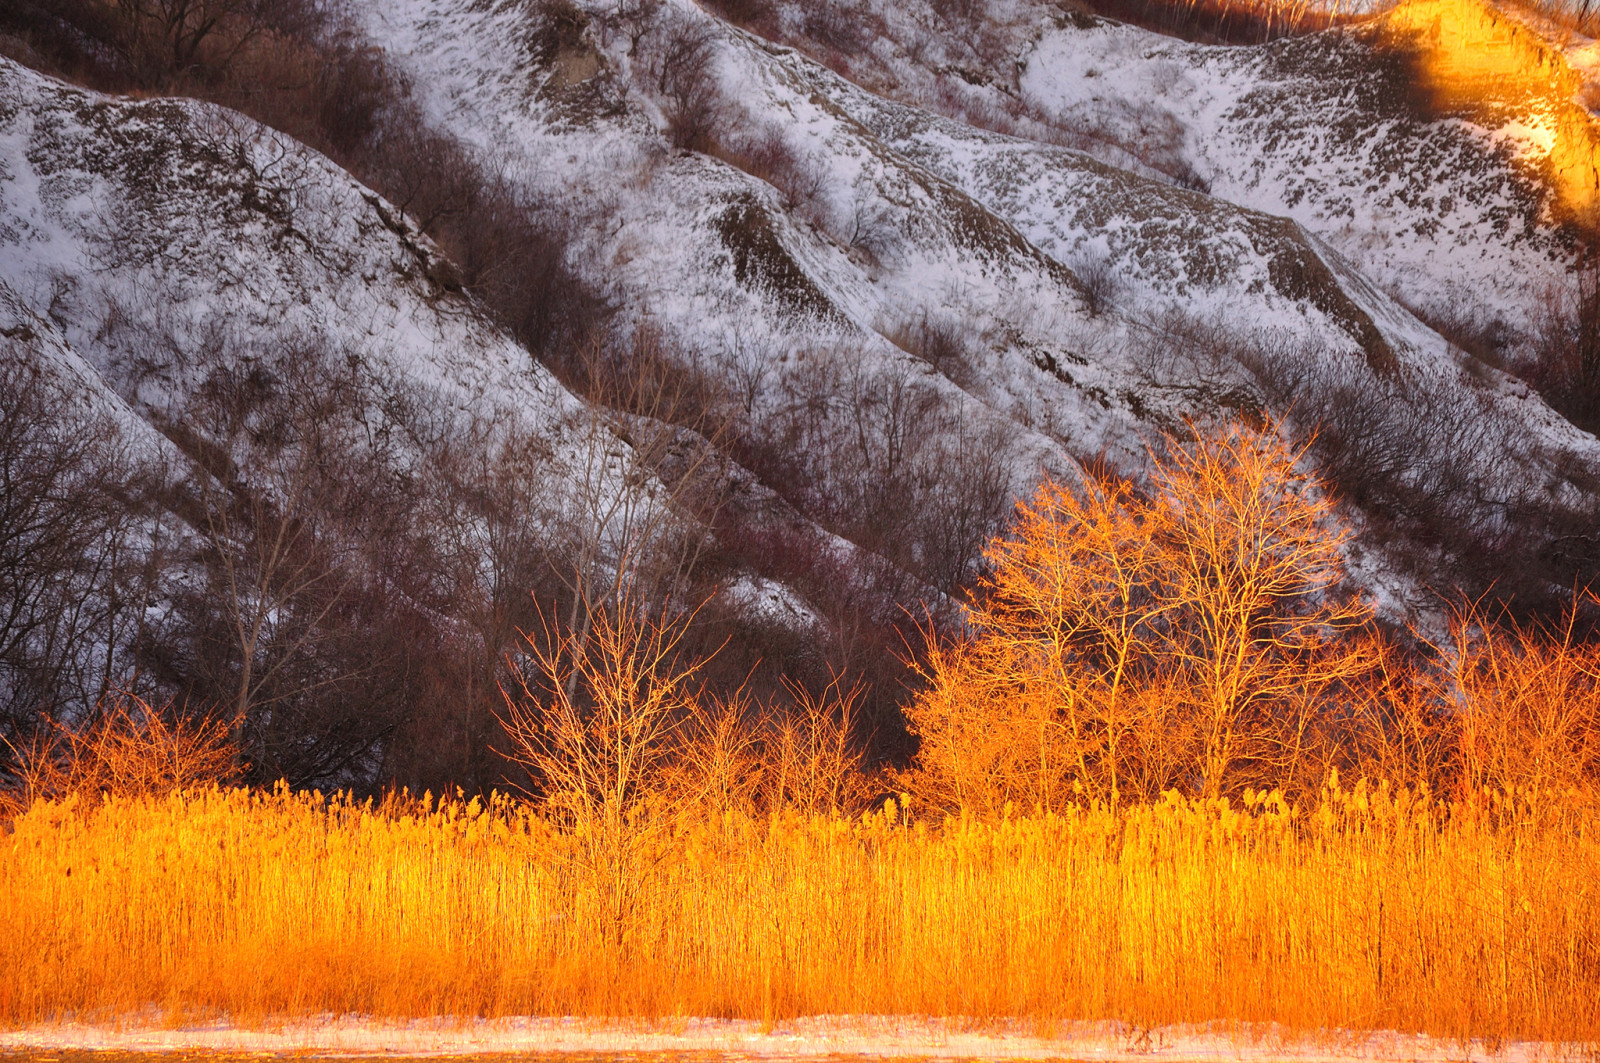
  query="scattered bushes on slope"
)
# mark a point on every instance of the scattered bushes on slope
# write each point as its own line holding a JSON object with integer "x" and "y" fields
{"x": 874, "y": 456}
{"x": 1440, "y": 475}
{"x": 1225, "y": 21}
{"x": 682, "y": 69}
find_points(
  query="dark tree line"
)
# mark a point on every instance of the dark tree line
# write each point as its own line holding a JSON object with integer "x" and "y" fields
{"x": 74, "y": 577}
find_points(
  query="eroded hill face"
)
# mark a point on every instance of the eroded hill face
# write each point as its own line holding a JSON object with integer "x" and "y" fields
{"x": 1446, "y": 208}
{"x": 851, "y": 318}
{"x": 1501, "y": 72}
{"x": 769, "y": 214}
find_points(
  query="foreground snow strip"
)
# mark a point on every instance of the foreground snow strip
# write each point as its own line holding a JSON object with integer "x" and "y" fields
{"x": 825, "y": 1036}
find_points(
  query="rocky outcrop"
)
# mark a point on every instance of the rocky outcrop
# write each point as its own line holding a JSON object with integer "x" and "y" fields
{"x": 1489, "y": 64}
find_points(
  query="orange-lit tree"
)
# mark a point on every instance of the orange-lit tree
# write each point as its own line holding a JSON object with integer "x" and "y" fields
{"x": 1128, "y": 641}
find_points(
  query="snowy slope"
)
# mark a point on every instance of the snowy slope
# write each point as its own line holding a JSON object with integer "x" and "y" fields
{"x": 821, "y": 217}
{"x": 1324, "y": 130}
{"x": 1136, "y": 232}
{"x": 144, "y": 229}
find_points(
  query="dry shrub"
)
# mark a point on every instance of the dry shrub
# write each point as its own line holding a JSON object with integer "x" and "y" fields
{"x": 754, "y": 14}
{"x": 682, "y": 67}
{"x": 962, "y": 12}
{"x": 766, "y": 154}
{"x": 1398, "y": 729}
{"x": 941, "y": 342}
{"x": 1125, "y": 643}
{"x": 835, "y": 27}
{"x": 620, "y": 735}
{"x": 1526, "y": 701}
{"x": 596, "y": 713}
{"x": 129, "y": 749}
{"x": 1566, "y": 365}
{"x": 812, "y": 756}
{"x": 719, "y": 764}
{"x": 1099, "y": 283}
{"x": 1505, "y": 711}
{"x": 1229, "y": 21}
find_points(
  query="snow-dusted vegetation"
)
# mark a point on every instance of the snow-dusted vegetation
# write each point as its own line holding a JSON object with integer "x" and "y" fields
{"x": 783, "y": 305}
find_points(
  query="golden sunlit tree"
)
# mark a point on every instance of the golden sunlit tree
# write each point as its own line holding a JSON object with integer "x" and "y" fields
{"x": 594, "y": 716}
{"x": 1128, "y": 641}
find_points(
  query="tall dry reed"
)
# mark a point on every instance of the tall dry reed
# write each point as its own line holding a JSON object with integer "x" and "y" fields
{"x": 1370, "y": 908}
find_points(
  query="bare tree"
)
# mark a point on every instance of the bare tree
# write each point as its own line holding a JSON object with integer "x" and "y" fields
{"x": 649, "y": 478}
{"x": 685, "y": 80}
{"x": 73, "y": 578}
{"x": 486, "y": 561}
{"x": 295, "y": 495}
{"x": 172, "y": 34}
{"x": 595, "y": 718}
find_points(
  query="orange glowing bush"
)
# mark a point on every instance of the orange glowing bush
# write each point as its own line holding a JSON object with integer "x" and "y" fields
{"x": 1126, "y": 642}
{"x": 1526, "y": 707}
{"x": 129, "y": 748}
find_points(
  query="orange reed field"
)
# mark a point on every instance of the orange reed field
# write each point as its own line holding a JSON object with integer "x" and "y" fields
{"x": 1368, "y": 908}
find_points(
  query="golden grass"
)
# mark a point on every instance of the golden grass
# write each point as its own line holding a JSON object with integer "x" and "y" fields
{"x": 1373, "y": 909}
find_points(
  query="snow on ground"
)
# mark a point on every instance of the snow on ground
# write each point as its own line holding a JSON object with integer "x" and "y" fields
{"x": 1325, "y": 130}
{"x": 881, "y": 1037}
{"x": 79, "y": 382}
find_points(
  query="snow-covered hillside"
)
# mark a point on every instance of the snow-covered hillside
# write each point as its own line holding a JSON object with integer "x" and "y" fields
{"x": 980, "y": 244}
{"x": 1325, "y": 130}
{"x": 1082, "y": 304}
{"x": 157, "y": 233}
